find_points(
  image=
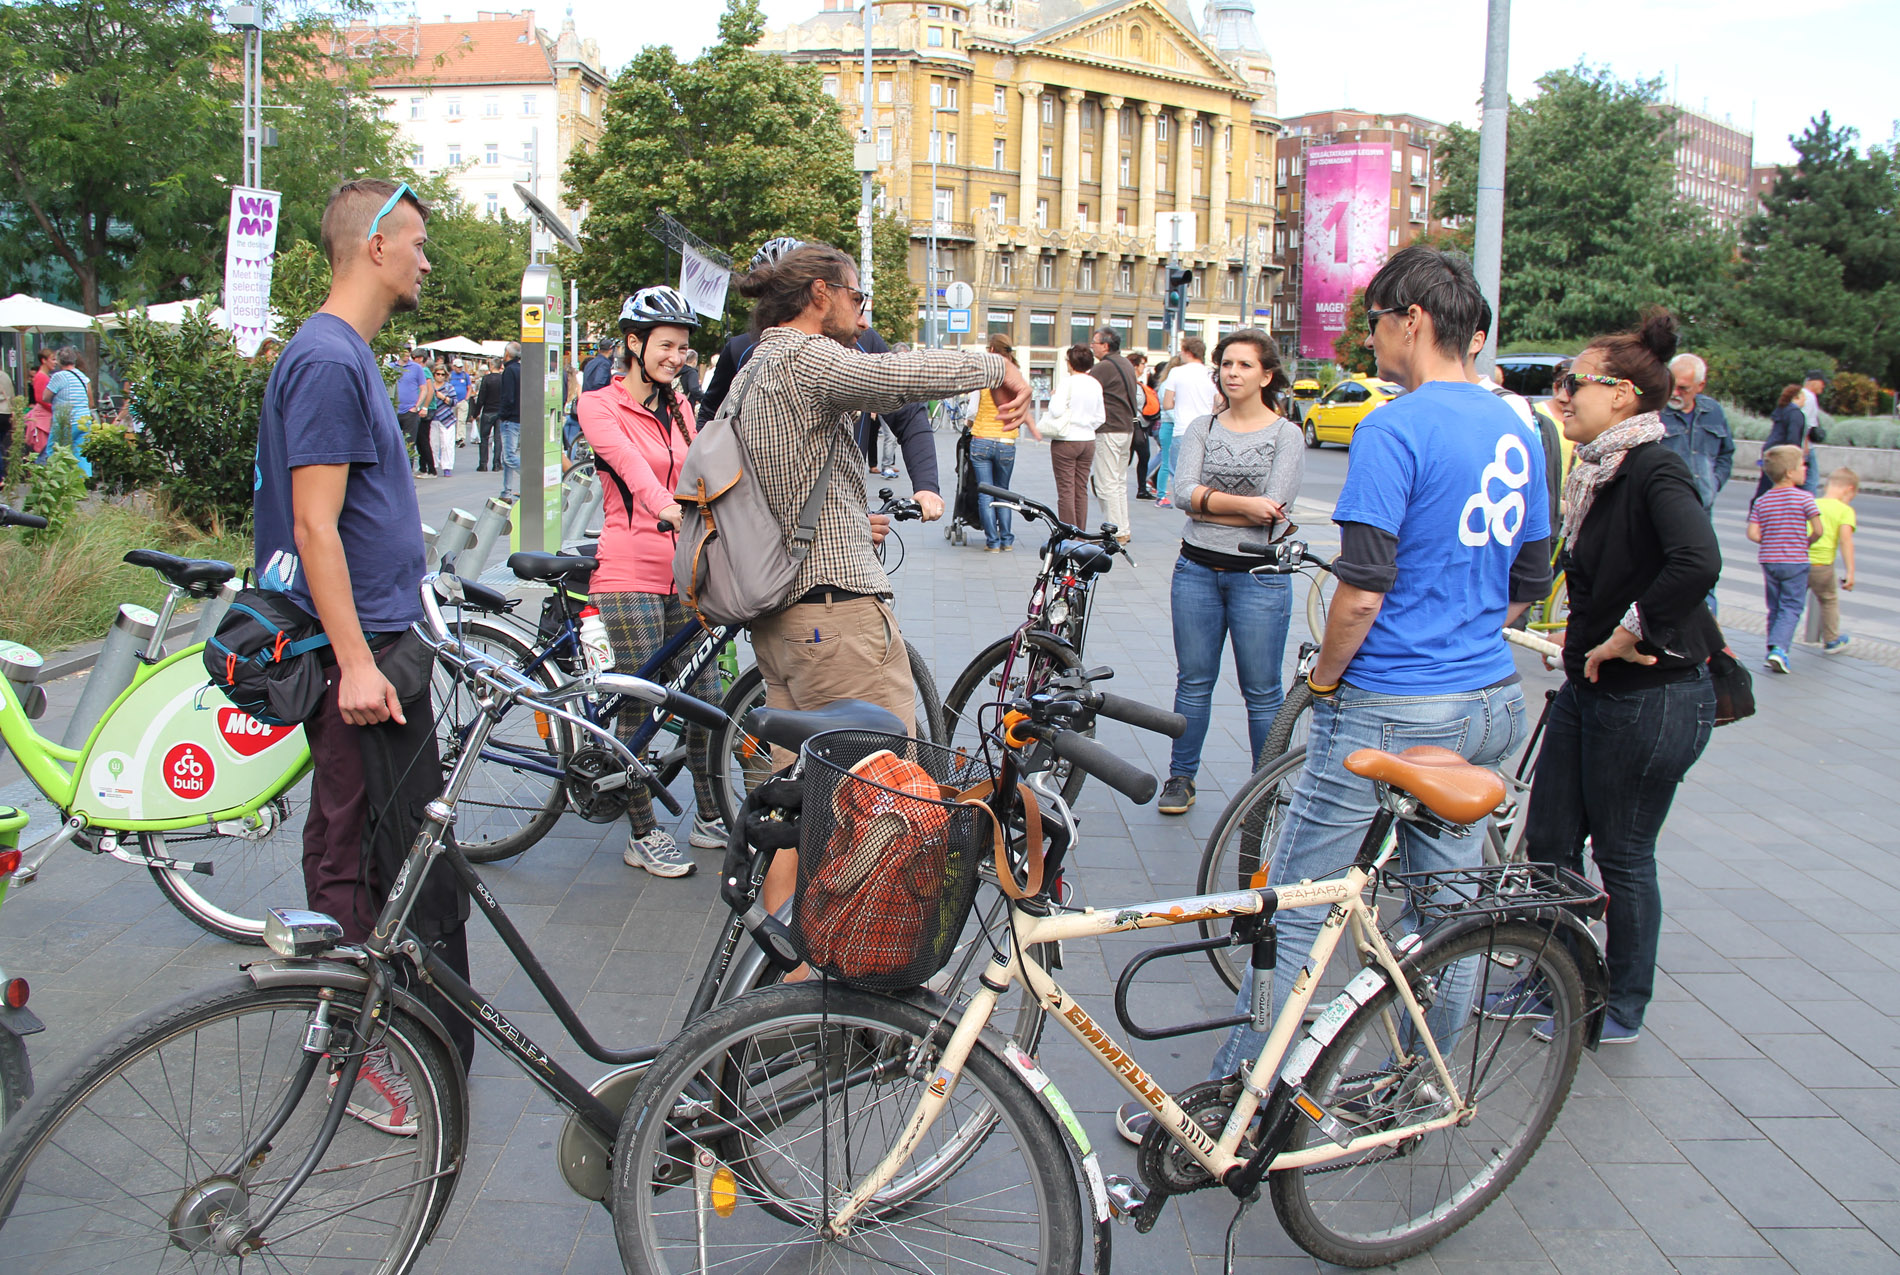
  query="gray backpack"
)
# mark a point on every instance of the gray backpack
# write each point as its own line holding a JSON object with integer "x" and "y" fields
{"x": 733, "y": 564}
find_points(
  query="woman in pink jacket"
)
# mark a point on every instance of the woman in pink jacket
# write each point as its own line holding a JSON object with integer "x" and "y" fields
{"x": 639, "y": 426}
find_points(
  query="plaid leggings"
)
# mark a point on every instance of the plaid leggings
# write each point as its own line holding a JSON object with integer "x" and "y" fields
{"x": 638, "y": 625}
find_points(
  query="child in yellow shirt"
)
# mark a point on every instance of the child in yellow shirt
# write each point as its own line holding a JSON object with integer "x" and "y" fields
{"x": 1837, "y": 541}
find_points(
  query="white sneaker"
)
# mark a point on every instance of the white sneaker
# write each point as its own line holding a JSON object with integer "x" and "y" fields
{"x": 659, "y": 854}
{"x": 382, "y": 1098}
{"x": 708, "y": 834}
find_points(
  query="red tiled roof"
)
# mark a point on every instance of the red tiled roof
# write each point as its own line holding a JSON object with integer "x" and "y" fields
{"x": 502, "y": 50}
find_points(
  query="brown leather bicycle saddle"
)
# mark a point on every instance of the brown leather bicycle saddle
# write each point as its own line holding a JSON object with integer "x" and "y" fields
{"x": 1445, "y": 783}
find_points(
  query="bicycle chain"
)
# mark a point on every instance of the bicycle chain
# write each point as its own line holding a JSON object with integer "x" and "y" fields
{"x": 1165, "y": 1164}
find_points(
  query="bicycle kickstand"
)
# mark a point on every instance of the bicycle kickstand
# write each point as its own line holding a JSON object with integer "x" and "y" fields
{"x": 1233, "y": 1228}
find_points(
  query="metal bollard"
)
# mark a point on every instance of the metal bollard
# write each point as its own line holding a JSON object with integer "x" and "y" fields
{"x": 22, "y": 666}
{"x": 490, "y": 527}
{"x": 576, "y": 500}
{"x": 112, "y": 672}
{"x": 430, "y": 558}
{"x": 588, "y": 515}
{"x": 212, "y": 613}
{"x": 455, "y": 535}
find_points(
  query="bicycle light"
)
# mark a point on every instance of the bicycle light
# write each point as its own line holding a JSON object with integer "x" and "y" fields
{"x": 9, "y": 862}
{"x": 295, "y": 932}
{"x": 16, "y": 993}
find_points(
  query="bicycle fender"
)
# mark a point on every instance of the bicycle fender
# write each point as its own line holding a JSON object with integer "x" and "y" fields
{"x": 21, "y": 1022}
{"x": 1043, "y": 637}
{"x": 1582, "y": 944}
{"x": 1080, "y": 1150}
{"x": 290, "y": 972}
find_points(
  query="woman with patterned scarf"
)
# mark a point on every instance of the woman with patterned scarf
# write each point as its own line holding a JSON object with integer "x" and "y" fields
{"x": 1636, "y": 706}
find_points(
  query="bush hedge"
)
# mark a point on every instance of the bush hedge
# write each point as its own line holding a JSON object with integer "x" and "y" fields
{"x": 1755, "y": 376}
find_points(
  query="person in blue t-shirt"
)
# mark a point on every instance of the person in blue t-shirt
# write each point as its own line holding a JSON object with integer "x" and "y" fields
{"x": 338, "y": 530}
{"x": 458, "y": 391}
{"x": 1444, "y": 539}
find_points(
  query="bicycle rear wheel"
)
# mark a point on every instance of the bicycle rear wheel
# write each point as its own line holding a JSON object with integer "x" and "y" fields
{"x": 243, "y": 876}
{"x": 748, "y": 1131}
{"x": 1392, "y": 1202}
{"x": 126, "y": 1162}
{"x": 1241, "y": 844}
{"x": 511, "y": 800}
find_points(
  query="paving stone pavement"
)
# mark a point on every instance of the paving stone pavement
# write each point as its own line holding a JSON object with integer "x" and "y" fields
{"x": 1753, "y": 1128}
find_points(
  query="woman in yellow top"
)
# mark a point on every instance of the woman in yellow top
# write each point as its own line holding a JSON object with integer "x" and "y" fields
{"x": 993, "y": 457}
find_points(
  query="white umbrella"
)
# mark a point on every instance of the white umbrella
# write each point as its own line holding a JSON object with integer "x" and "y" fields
{"x": 30, "y": 314}
{"x": 453, "y": 345}
{"x": 494, "y": 349}
{"x": 172, "y": 313}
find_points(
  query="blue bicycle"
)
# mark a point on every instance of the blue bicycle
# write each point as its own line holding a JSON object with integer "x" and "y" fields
{"x": 535, "y": 768}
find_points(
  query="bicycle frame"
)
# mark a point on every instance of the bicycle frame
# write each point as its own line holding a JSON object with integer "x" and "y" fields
{"x": 1345, "y": 897}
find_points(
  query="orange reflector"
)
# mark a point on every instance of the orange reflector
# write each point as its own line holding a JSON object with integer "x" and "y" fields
{"x": 725, "y": 1191}
{"x": 9, "y": 862}
{"x": 542, "y": 724}
{"x": 1259, "y": 879}
{"x": 16, "y": 993}
{"x": 1011, "y": 720}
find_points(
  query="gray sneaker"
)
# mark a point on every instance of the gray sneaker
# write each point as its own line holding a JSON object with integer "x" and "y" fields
{"x": 659, "y": 854}
{"x": 1176, "y": 795}
{"x": 708, "y": 834}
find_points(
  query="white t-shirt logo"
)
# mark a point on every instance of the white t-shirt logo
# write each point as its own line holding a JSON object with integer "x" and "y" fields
{"x": 1501, "y": 519}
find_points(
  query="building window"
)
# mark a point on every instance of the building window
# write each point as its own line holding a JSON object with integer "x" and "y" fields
{"x": 1085, "y": 275}
{"x": 491, "y": 106}
{"x": 529, "y": 104}
{"x": 1123, "y": 326}
{"x": 999, "y": 105}
{"x": 415, "y": 158}
{"x": 1046, "y": 270}
{"x": 936, "y": 92}
{"x": 950, "y": 148}
{"x": 1048, "y": 161}
{"x": 950, "y": 94}
{"x": 455, "y": 154}
{"x": 999, "y": 206}
{"x": 1121, "y": 216}
{"x": 1230, "y": 286}
{"x": 1196, "y": 283}
{"x": 1161, "y": 128}
{"x": 1005, "y": 269}
{"x": 1048, "y": 109}
{"x": 884, "y": 143}
{"x": 1042, "y": 328}
{"x": 884, "y": 88}
{"x": 587, "y": 102}
{"x": 491, "y": 154}
{"x": 1042, "y": 214}
{"x": 1127, "y": 170}
{"x": 1082, "y": 213}
{"x": 1157, "y": 334}
{"x": 1080, "y": 327}
{"x": 933, "y": 37}
{"x": 415, "y": 108}
{"x": 946, "y": 203}
{"x": 494, "y": 203}
{"x": 1393, "y": 238}
{"x": 1088, "y": 115}
{"x": 1398, "y": 161}
{"x": 999, "y": 154}
{"x": 453, "y": 107}
{"x": 1198, "y": 185}
{"x": 1200, "y": 134}
{"x": 1000, "y": 323}
{"x": 936, "y": 145}
{"x": 1125, "y": 277}
{"x": 831, "y": 86}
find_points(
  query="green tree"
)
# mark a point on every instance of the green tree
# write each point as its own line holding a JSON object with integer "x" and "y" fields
{"x": 474, "y": 263}
{"x": 738, "y": 146}
{"x": 1349, "y": 350}
{"x": 1593, "y": 228}
{"x": 894, "y": 305}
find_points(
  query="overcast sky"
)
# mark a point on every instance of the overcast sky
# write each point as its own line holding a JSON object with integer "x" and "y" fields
{"x": 1772, "y": 61}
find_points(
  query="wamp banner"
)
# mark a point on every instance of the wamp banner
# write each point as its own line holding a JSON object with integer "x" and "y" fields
{"x": 249, "y": 250}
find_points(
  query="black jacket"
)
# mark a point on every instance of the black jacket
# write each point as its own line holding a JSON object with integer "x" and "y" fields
{"x": 488, "y": 396}
{"x": 1789, "y": 428}
{"x": 598, "y": 374}
{"x": 909, "y": 423}
{"x": 1647, "y": 540}
{"x": 507, "y": 402}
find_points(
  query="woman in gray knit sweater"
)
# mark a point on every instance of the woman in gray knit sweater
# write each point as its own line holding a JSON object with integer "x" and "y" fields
{"x": 1233, "y": 474}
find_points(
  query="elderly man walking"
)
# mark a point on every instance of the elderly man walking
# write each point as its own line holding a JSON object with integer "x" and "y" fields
{"x": 1696, "y": 429}
{"x": 1115, "y": 440}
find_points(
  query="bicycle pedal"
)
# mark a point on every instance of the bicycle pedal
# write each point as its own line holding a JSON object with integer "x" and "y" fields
{"x": 1125, "y": 1197}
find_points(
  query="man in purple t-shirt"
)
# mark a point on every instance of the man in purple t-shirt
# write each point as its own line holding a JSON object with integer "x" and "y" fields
{"x": 339, "y": 531}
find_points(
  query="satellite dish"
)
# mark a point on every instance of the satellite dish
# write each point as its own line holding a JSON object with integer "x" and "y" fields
{"x": 549, "y": 218}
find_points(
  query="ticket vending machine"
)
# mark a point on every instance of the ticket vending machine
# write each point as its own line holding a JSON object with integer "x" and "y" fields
{"x": 537, "y": 520}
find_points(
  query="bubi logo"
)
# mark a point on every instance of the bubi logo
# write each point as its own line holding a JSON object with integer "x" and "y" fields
{"x": 245, "y": 735}
{"x": 1500, "y": 519}
{"x": 189, "y": 772}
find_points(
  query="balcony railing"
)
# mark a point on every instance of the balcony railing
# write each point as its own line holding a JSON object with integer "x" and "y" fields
{"x": 944, "y": 229}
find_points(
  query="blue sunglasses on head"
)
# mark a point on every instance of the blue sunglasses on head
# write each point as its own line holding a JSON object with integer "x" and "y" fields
{"x": 394, "y": 199}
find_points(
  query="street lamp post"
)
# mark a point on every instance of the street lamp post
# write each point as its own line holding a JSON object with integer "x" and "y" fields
{"x": 930, "y": 254}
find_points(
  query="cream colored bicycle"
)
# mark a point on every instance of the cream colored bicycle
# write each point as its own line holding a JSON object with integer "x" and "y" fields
{"x": 818, "y": 1126}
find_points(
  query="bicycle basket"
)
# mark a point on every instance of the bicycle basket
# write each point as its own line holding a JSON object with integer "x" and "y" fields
{"x": 888, "y": 858}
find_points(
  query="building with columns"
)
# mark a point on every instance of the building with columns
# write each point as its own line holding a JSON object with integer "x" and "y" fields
{"x": 1060, "y": 135}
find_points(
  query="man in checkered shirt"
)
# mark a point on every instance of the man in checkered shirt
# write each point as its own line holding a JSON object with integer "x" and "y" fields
{"x": 803, "y": 389}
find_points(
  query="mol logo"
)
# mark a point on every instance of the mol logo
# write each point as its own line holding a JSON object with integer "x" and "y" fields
{"x": 189, "y": 772}
{"x": 245, "y": 735}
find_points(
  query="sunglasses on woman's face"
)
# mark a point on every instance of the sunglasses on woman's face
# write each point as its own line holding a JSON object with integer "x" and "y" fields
{"x": 1570, "y": 382}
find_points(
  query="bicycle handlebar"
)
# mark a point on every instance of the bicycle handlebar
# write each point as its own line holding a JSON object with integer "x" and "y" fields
{"x": 1531, "y": 642}
{"x": 1284, "y": 557}
{"x": 1032, "y": 510}
{"x": 20, "y": 518}
{"x": 1101, "y": 762}
{"x": 1136, "y": 713}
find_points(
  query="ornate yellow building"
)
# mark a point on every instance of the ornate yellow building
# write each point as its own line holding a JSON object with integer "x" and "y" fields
{"x": 1061, "y": 137}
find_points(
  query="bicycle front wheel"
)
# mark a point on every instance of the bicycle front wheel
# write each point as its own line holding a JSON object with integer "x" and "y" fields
{"x": 1242, "y": 843}
{"x": 757, "y": 1121}
{"x": 16, "y": 1075}
{"x": 1291, "y": 725}
{"x": 516, "y": 794}
{"x": 131, "y": 1160}
{"x": 1392, "y": 1202}
{"x": 982, "y": 683}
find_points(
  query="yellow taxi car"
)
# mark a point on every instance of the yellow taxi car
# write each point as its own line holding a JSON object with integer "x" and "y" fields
{"x": 1331, "y": 420}
{"x": 1300, "y": 401}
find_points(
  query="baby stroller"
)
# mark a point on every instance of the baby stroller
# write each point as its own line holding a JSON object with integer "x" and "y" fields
{"x": 963, "y": 511}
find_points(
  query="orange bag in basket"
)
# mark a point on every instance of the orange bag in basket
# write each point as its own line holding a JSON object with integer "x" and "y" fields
{"x": 863, "y": 913}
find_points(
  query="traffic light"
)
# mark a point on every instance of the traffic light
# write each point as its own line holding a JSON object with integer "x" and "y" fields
{"x": 1178, "y": 279}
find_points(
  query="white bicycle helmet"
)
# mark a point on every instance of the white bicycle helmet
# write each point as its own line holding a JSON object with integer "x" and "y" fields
{"x": 650, "y": 307}
{"x": 772, "y": 249}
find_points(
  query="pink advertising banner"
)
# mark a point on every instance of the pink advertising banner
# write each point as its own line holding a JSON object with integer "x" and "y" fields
{"x": 1344, "y": 234}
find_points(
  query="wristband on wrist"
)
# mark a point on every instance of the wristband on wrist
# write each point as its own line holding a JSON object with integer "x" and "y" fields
{"x": 1317, "y": 689}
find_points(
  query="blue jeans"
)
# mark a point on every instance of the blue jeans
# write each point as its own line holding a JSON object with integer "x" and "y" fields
{"x": 993, "y": 460}
{"x": 1608, "y": 770}
{"x": 1164, "y": 435}
{"x": 1331, "y": 809}
{"x": 1209, "y": 606}
{"x": 511, "y": 458}
{"x": 1786, "y": 584}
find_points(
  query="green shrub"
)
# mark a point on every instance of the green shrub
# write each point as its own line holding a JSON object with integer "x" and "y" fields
{"x": 1755, "y": 376}
{"x": 1885, "y": 404}
{"x": 200, "y": 401}
{"x": 1852, "y": 394}
{"x": 1864, "y": 431}
{"x": 53, "y": 491}
{"x": 1745, "y": 424}
{"x": 121, "y": 462}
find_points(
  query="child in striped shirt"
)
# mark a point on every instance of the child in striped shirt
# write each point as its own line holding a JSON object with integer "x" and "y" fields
{"x": 1784, "y": 521}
